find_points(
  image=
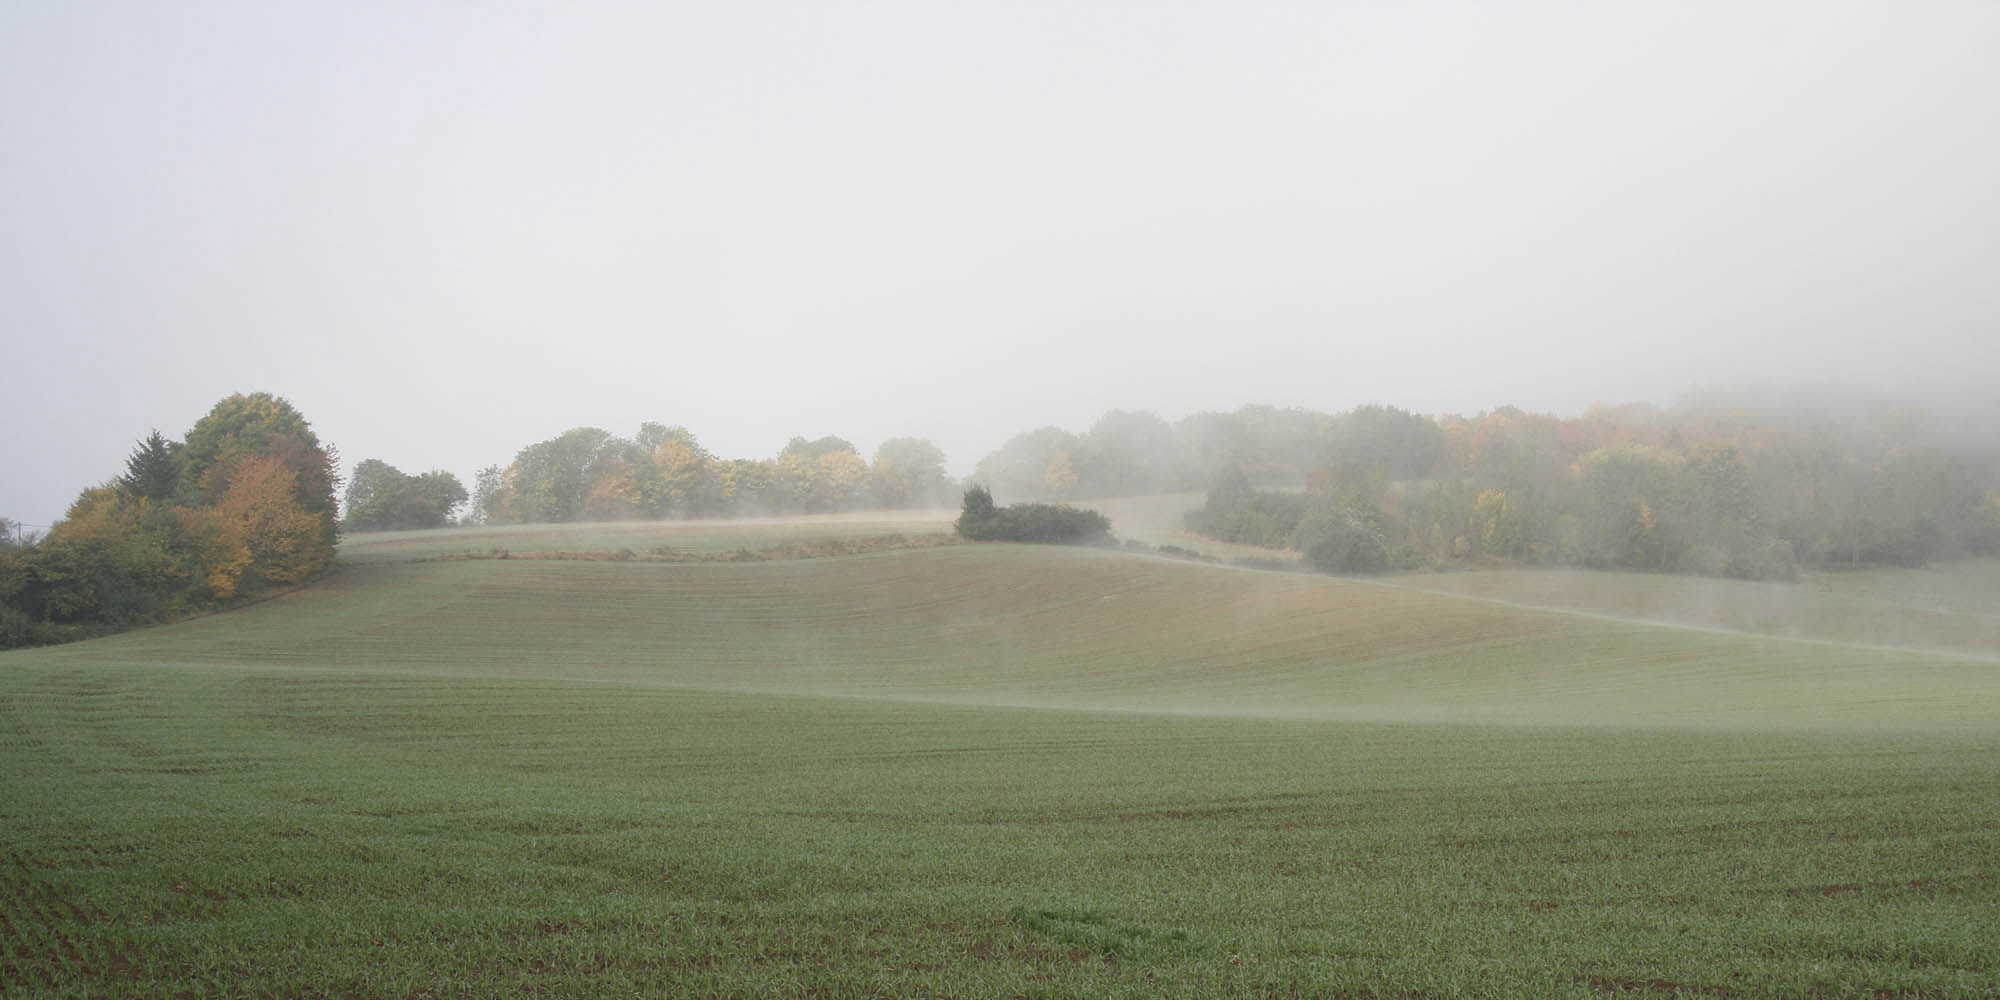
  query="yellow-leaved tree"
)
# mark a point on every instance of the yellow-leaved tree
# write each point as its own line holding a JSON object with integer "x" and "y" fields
{"x": 282, "y": 538}
{"x": 218, "y": 552}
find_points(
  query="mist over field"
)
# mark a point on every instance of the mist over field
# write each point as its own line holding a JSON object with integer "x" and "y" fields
{"x": 444, "y": 231}
{"x": 1023, "y": 500}
{"x": 819, "y": 756}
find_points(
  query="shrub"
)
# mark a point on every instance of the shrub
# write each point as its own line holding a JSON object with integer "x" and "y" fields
{"x": 1340, "y": 542}
{"x": 1054, "y": 524}
{"x": 17, "y": 630}
{"x": 1236, "y": 513}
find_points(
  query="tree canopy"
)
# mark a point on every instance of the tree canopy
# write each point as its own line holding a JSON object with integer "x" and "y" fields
{"x": 662, "y": 471}
{"x": 380, "y": 497}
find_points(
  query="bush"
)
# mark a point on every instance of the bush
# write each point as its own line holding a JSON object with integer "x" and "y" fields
{"x": 18, "y": 630}
{"x": 1236, "y": 513}
{"x": 1340, "y": 542}
{"x": 1054, "y": 524}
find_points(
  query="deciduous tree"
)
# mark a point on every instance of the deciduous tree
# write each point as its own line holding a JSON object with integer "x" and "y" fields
{"x": 550, "y": 480}
{"x": 259, "y": 423}
{"x": 282, "y": 537}
{"x": 381, "y": 497}
{"x": 908, "y": 472}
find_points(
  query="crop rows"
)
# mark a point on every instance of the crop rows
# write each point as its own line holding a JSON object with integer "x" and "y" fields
{"x": 374, "y": 836}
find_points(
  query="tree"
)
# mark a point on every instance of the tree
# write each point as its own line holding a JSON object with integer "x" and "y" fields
{"x": 841, "y": 482}
{"x": 262, "y": 510}
{"x": 381, "y": 498}
{"x": 154, "y": 469}
{"x": 744, "y": 485}
{"x": 614, "y": 488}
{"x": 818, "y": 476}
{"x": 246, "y": 502}
{"x": 550, "y": 480}
{"x": 793, "y": 481}
{"x": 261, "y": 424}
{"x": 1384, "y": 440}
{"x": 1128, "y": 453}
{"x": 1273, "y": 446}
{"x": 372, "y": 495}
{"x": 1632, "y": 507}
{"x": 216, "y": 552}
{"x": 486, "y": 495}
{"x": 435, "y": 495}
{"x": 1059, "y": 480}
{"x": 977, "y": 507}
{"x": 682, "y": 477}
{"x": 1237, "y": 513}
{"x": 100, "y": 565}
{"x": 1020, "y": 468}
{"x": 908, "y": 472}
{"x": 12, "y": 538}
{"x": 1721, "y": 505}
{"x": 814, "y": 449}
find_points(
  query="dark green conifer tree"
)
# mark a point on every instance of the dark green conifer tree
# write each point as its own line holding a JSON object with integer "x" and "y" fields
{"x": 154, "y": 469}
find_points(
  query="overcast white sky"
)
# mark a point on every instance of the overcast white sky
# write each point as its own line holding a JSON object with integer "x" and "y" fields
{"x": 447, "y": 230}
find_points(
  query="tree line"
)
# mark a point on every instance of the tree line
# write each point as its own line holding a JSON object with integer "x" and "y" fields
{"x": 1718, "y": 486}
{"x": 1721, "y": 484}
{"x": 243, "y": 503}
{"x": 588, "y": 474}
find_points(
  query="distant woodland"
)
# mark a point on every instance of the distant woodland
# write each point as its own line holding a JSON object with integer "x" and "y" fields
{"x": 1721, "y": 485}
{"x": 587, "y": 474}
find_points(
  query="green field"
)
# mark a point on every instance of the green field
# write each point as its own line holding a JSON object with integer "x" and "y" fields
{"x": 1003, "y": 771}
{"x": 1160, "y": 521}
{"x": 1951, "y": 608}
{"x": 640, "y": 537}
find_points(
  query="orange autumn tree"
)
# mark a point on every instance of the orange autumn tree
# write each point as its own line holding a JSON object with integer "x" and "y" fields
{"x": 250, "y": 425}
{"x": 261, "y": 512}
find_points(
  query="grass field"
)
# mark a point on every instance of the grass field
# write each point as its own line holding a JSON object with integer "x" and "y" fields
{"x": 1068, "y": 628}
{"x": 983, "y": 771}
{"x": 753, "y": 534}
{"x": 1160, "y": 521}
{"x": 1951, "y": 608}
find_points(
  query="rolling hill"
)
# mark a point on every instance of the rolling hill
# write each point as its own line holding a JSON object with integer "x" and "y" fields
{"x": 971, "y": 770}
{"x": 1068, "y": 628}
